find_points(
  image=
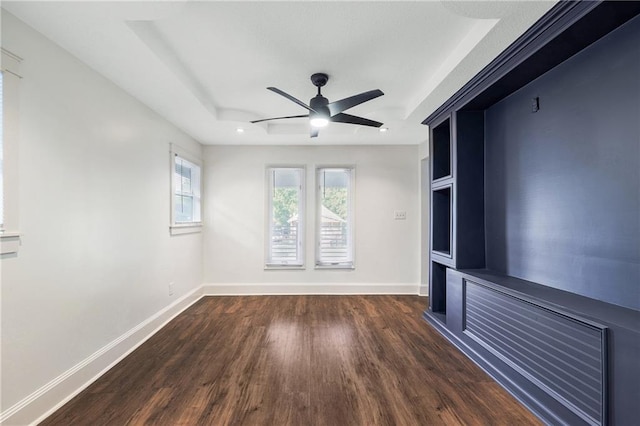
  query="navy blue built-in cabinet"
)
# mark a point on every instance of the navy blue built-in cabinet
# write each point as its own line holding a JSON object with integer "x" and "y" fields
{"x": 535, "y": 216}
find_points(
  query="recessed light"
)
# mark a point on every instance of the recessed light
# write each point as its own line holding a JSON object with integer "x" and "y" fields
{"x": 240, "y": 130}
{"x": 383, "y": 129}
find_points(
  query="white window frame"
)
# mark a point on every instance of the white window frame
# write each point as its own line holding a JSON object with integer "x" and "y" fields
{"x": 10, "y": 236}
{"x": 350, "y": 262}
{"x": 175, "y": 227}
{"x": 299, "y": 263}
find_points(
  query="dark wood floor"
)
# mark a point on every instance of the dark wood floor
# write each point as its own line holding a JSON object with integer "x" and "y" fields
{"x": 296, "y": 360}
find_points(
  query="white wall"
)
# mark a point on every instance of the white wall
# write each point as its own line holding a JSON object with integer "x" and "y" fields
{"x": 387, "y": 251}
{"x": 96, "y": 255}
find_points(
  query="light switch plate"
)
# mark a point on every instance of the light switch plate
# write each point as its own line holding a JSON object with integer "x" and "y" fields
{"x": 400, "y": 215}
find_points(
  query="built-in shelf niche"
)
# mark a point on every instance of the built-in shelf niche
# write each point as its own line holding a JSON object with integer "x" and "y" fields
{"x": 441, "y": 135}
{"x": 438, "y": 296}
{"x": 441, "y": 220}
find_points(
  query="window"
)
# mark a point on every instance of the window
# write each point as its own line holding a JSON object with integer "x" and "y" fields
{"x": 285, "y": 222}
{"x": 9, "y": 132}
{"x": 185, "y": 192}
{"x": 1, "y": 155}
{"x": 334, "y": 217}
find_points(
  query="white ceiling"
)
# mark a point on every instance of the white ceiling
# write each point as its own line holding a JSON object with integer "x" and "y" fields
{"x": 205, "y": 65}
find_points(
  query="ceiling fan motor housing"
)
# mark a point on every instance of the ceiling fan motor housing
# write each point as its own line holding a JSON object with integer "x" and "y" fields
{"x": 319, "y": 104}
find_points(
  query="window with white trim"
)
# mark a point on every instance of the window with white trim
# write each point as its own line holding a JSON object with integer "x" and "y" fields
{"x": 1, "y": 154}
{"x": 10, "y": 239}
{"x": 285, "y": 219}
{"x": 186, "y": 190}
{"x": 334, "y": 217}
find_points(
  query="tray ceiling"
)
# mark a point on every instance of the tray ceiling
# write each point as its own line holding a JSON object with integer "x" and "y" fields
{"x": 205, "y": 65}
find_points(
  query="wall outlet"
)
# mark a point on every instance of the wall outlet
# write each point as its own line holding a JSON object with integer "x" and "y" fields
{"x": 398, "y": 215}
{"x": 171, "y": 288}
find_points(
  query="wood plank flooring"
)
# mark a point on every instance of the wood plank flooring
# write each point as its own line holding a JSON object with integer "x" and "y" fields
{"x": 296, "y": 360}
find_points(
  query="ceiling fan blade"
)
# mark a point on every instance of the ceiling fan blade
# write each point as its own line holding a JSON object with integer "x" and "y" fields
{"x": 291, "y": 98}
{"x": 280, "y": 118}
{"x": 352, "y": 119}
{"x": 344, "y": 104}
{"x": 314, "y": 132}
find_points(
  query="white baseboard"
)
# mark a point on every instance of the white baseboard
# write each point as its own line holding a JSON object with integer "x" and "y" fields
{"x": 246, "y": 289}
{"x": 424, "y": 290}
{"x": 44, "y": 401}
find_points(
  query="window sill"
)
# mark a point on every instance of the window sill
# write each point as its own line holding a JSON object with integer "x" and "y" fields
{"x": 9, "y": 242}
{"x": 187, "y": 228}
{"x": 284, "y": 267}
{"x": 350, "y": 267}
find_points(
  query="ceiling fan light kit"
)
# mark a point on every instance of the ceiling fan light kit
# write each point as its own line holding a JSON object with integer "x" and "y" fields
{"x": 321, "y": 111}
{"x": 319, "y": 122}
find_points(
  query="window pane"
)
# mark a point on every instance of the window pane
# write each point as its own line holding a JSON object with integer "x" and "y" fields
{"x": 334, "y": 199}
{"x": 183, "y": 176}
{"x": 1, "y": 151}
{"x": 285, "y": 238}
{"x": 184, "y": 209}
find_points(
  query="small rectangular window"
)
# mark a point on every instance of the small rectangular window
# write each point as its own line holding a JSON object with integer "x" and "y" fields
{"x": 334, "y": 217}
{"x": 185, "y": 191}
{"x": 10, "y": 239}
{"x": 285, "y": 222}
{"x": 1, "y": 153}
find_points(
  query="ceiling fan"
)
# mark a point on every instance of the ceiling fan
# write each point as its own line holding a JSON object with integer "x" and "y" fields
{"x": 321, "y": 111}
